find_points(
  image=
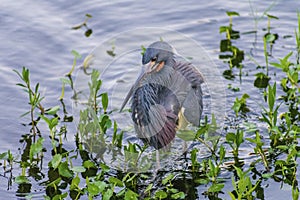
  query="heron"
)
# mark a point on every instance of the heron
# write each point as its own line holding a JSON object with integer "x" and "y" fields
{"x": 166, "y": 96}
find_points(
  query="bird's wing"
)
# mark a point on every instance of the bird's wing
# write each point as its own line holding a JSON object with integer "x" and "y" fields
{"x": 154, "y": 122}
{"x": 133, "y": 88}
{"x": 192, "y": 104}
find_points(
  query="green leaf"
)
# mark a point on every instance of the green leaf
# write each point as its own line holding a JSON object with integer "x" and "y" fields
{"x": 116, "y": 181}
{"x": 272, "y": 16}
{"x": 60, "y": 196}
{"x": 104, "y": 101}
{"x": 52, "y": 110}
{"x": 88, "y": 32}
{"x": 222, "y": 152}
{"x": 3, "y": 156}
{"x": 223, "y": 29}
{"x": 75, "y": 182}
{"x": 143, "y": 49}
{"x": 161, "y": 194}
{"x": 78, "y": 169}
{"x": 167, "y": 179}
{"x": 216, "y": 187}
{"x": 230, "y": 137}
{"x": 101, "y": 185}
{"x": 104, "y": 167}
{"x": 88, "y": 15}
{"x": 186, "y": 135}
{"x": 148, "y": 188}
{"x": 66, "y": 81}
{"x": 56, "y": 160}
{"x": 76, "y": 54}
{"x": 64, "y": 170}
{"x": 93, "y": 189}
{"x": 270, "y": 38}
{"x": 21, "y": 180}
{"x": 130, "y": 195}
{"x": 267, "y": 175}
{"x": 261, "y": 80}
{"x": 232, "y": 13}
{"x": 36, "y": 148}
{"x": 202, "y": 181}
{"x": 107, "y": 194}
{"x": 271, "y": 96}
{"x": 179, "y": 195}
{"x": 89, "y": 164}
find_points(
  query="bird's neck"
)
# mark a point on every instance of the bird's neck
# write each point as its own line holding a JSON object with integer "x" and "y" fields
{"x": 170, "y": 62}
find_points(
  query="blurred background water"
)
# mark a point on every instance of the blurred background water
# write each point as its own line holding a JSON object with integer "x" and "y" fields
{"x": 38, "y": 35}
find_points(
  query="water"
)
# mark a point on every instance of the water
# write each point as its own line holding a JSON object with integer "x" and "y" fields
{"x": 38, "y": 35}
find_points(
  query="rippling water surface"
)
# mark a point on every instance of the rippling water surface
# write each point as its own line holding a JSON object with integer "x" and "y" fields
{"x": 38, "y": 35}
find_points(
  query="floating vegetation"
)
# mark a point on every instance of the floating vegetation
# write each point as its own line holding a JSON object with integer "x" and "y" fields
{"x": 88, "y": 31}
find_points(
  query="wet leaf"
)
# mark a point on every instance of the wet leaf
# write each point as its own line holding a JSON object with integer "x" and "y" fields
{"x": 186, "y": 135}
{"x": 60, "y": 196}
{"x": 36, "y": 148}
{"x": 101, "y": 185}
{"x": 75, "y": 182}
{"x": 261, "y": 80}
{"x": 66, "y": 81}
{"x": 111, "y": 53}
{"x": 167, "y": 179}
{"x": 271, "y": 96}
{"x": 272, "y": 16}
{"x": 88, "y": 15}
{"x": 88, "y": 32}
{"x": 179, "y": 195}
{"x": 3, "y": 156}
{"x": 148, "y": 188}
{"x": 232, "y": 13}
{"x": 21, "y": 180}
{"x": 56, "y": 160}
{"x": 107, "y": 194}
{"x": 53, "y": 110}
{"x": 228, "y": 74}
{"x": 76, "y": 54}
{"x": 64, "y": 170}
{"x": 216, "y": 187}
{"x": 93, "y": 189}
{"x": 130, "y": 195}
{"x": 78, "y": 169}
{"x": 116, "y": 181}
{"x": 161, "y": 194}
{"x": 143, "y": 49}
{"x": 104, "y": 101}
{"x": 89, "y": 164}
{"x": 271, "y": 38}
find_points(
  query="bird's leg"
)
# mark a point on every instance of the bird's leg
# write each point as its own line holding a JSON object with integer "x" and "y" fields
{"x": 185, "y": 149}
{"x": 157, "y": 161}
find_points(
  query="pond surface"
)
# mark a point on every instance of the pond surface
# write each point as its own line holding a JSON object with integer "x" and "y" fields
{"x": 39, "y": 35}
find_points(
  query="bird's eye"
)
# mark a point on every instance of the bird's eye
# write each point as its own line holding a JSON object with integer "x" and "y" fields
{"x": 153, "y": 59}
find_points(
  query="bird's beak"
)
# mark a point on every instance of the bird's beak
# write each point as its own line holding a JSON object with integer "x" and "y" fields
{"x": 154, "y": 66}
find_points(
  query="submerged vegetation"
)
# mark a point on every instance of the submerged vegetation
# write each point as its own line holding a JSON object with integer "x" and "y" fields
{"x": 82, "y": 172}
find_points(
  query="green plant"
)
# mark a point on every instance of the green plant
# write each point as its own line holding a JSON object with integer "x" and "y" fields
{"x": 88, "y": 31}
{"x": 34, "y": 97}
{"x": 235, "y": 140}
{"x": 240, "y": 105}
{"x": 243, "y": 187}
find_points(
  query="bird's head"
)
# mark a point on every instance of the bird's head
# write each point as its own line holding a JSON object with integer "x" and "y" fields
{"x": 157, "y": 55}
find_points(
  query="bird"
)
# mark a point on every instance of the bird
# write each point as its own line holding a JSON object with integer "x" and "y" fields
{"x": 166, "y": 96}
